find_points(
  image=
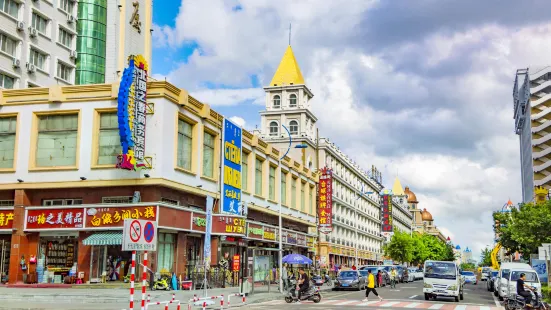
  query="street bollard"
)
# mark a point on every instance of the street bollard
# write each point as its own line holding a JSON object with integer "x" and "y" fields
{"x": 148, "y": 298}
{"x": 243, "y": 298}
{"x": 222, "y": 302}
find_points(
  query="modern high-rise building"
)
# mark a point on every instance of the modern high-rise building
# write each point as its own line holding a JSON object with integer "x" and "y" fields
{"x": 532, "y": 114}
{"x": 64, "y": 42}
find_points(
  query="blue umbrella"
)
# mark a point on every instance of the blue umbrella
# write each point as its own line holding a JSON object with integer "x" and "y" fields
{"x": 297, "y": 259}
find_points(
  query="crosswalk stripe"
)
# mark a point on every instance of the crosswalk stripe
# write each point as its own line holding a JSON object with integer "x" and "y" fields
{"x": 484, "y": 308}
{"x": 346, "y": 302}
{"x": 390, "y": 304}
{"x": 437, "y": 306}
{"x": 367, "y": 303}
{"x": 413, "y": 305}
{"x": 461, "y": 307}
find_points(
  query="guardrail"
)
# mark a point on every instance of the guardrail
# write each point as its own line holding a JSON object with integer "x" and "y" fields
{"x": 243, "y": 297}
{"x": 203, "y": 301}
{"x": 166, "y": 303}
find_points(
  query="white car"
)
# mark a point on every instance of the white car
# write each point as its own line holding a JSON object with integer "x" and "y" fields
{"x": 485, "y": 274}
{"x": 470, "y": 277}
{"x": 442, "y": 279}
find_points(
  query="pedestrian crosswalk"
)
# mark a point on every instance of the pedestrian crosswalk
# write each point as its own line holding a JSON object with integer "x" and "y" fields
{"x": 391, "y": 304}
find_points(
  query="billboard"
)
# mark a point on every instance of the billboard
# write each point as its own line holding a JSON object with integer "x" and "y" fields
{"x": 386, "y": 214}
{"x": 131, "y": 112}
{"x": 208, "y": 232}
{"x": 540, "y": 266}
{"x": 325, "y": 201}
{"x": 231, "y": 167}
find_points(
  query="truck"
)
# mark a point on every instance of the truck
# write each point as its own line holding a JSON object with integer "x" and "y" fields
{"x": 442, "y": 279}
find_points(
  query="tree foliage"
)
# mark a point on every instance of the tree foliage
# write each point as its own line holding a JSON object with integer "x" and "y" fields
{"x": 418, "y": 248}
{"x": 524, "y": 228}
{"x": 486, "y": 257}
{"x": 468, "y": 266}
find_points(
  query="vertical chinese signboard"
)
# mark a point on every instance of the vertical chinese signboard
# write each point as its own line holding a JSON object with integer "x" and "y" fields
{"x": 325, "y": 203}
{"x": 386, "y": 216}
{"x": 231, "y": 168}
{"x": 208, "y": 232}
{"x": 131, "y": 114}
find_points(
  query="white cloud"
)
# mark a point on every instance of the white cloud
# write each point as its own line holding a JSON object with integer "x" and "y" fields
{"x": 438, "y": 108}
{"x": 238, "y": 121}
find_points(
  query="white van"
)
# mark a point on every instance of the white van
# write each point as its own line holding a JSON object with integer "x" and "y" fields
{"x": 509, "y": 273}
{"x": 442, "y": 279}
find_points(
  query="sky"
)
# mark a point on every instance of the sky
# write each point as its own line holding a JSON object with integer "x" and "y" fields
{"x": 421, "y": 89}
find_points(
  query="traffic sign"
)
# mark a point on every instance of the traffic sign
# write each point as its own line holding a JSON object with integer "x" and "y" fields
{"x": 139, "y": 235}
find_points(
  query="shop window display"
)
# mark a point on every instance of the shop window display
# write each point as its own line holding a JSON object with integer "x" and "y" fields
{"x": 59, "y": 257}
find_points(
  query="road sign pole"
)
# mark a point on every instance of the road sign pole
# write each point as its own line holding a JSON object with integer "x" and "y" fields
{"x": 132, "y": 272}
{"x": 144, "y": 277}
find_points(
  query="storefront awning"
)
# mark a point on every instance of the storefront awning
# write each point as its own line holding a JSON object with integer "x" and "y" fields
{"x": 104, "y": 238}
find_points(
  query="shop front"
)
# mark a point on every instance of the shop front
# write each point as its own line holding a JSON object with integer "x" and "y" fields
{"x": 6, "y": 226}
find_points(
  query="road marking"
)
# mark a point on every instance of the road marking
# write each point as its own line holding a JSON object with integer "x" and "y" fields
{"x": 413, "y": 305}
{"x": 484, "y": 308}
{"x": 461, "y": 307}
{"x": 390, "y": 304}
{"x": 496, "y": 300}
{"x": 408, "y": 287}
{"x": 437, "y": 306}
{"x": 413, "y": 296}
{"x": 368, "y": 303}
{"x": 345, "y": 302}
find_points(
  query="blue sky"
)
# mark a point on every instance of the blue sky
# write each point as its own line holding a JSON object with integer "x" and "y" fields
{"x": 406, "y": 85}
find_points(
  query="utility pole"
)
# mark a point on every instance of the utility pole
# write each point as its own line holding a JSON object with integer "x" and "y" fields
{"x": 317, "y": 196}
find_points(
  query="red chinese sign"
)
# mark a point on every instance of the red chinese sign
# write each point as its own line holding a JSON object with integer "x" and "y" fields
{"x": 54, "y": 218}
{"x": 6, "y": 219}
{"x": 236, "y": 263}
{"x": 325, "y": 203}
{"x": 114, "y": 216}
{"x": 387, "y": 214}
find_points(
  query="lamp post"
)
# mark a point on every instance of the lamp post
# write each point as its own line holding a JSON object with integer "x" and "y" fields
{"x": 300, "y": 146}
{"x": 356, "y": 224}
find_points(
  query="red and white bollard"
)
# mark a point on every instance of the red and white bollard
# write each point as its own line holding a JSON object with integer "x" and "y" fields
{"x": 221, "y": 302}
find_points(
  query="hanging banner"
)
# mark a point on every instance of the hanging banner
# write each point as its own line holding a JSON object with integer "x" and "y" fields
{"x": 131, "y": 114}
{"x": 231, "y": 168}
{"x": 386, "y": 215}
{"x": 325, "y": 201}
{"x": 208, "y": 231}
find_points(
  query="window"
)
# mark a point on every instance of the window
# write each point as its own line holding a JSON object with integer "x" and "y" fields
{"x": 245, "y": 171}
{"x": 283, "y": 188}
{"x": 66, "y": 5}
{"x": 6, "y": 81}
{"x": 274, "y": 129}
{"x": 117, "y": 199}
{"x": 10, "y": 7}
{"x": 185, "y": 139}
{"x": 57, "y": 140}
{"x": 293, "y": 127}
{"x": 277, "y": 100}
{"x": 294, "y": 193}
{"x": 302, "y": 197}
{"x": 165, "y": 253}
{"x": 312, "y": 201}
{"x": 7, "y": 44}
{"x": 292, "y": 100}
{"x": 258, "y": 178}
{"x": 39, "y": 22}
{"x": 170, "y": 201}
{"x": 208, "y": 155}
{"x": 65, "y": 38}
{"x": 272, "y": 183}
{"x": 38, "y": 59}
{"x": 64, "y": 71}
{"x": 7, "y": 141}
{"x": 109, "y": 146}
{"x": 61, "y": 202}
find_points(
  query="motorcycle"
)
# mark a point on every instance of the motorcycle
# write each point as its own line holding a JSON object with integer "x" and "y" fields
{"x": 312, "y": 294}
{"x": 161, "y": 284}
{"x": 518, "y": 302}
{"x": 319, "y": 281}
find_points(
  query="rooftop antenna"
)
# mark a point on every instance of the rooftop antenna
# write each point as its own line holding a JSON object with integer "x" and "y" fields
{"x": 289, "y": 34}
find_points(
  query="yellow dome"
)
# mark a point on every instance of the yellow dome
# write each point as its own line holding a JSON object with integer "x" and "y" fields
{"x": 411, "y": 196}
{"x": 426, "y": 216}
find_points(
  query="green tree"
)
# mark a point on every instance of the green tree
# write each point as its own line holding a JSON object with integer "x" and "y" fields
{"x": 486, "y": 257}
{"x": 400, "y": 247}
{"x": 468, "y": 266}
{"x": 420, "y": 252}
{"x": 524, "y": 228}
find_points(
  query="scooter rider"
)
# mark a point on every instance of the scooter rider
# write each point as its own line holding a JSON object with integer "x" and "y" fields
{"x": 522, "y": 292}
{"x": 303, "y": 283}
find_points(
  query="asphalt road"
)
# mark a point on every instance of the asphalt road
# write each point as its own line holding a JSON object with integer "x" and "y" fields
{"x": 406, "y": 295}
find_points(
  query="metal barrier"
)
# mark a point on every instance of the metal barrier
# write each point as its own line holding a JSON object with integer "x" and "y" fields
{"x": 204, "y": 300}
{"x": 243, "y": 299}
{"x": 166, "y": 303}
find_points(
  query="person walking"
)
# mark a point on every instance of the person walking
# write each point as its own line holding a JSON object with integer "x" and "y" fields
{"x": 371, "y": 286}
{"x": 284, "y": 277}
{"x": 379, "y": 279}
{"x": 393, "y": 278}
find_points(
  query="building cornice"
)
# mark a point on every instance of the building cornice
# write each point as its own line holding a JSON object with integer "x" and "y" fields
{"x": 293, "y": 111}
{"x": 289, "y": 87}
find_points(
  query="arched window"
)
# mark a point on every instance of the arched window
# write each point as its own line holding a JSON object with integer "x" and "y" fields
{"x": 293, "y": 127}
{"x": 277, "y": 102}
{"x": 274, "y": 129}
{"x": 292, "y": 101}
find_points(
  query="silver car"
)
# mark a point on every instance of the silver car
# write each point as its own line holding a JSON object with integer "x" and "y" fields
{"x": 350, "y": 279}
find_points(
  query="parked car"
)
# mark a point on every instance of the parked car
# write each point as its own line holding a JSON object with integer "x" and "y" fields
{"x": 399, "y": 269}
{"x": 415, "y": 274}
{"x": 410, "y": 274}
{"x": 374, "y": 270}
{"x": 350, "y": 279}
{"x": 470, "y": 277}
{"x": 491, "y": 280}
{"x": 485, "y": 274}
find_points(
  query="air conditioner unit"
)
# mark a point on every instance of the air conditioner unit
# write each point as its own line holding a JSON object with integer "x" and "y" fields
{"x": 33, "y": 32}
{"x": 74, "y": 54}
{"x": 70, "y": 18}
{"x": 16, "y": 63}
{"x": 20, "y": 26}
{"x": 31, "y": 68}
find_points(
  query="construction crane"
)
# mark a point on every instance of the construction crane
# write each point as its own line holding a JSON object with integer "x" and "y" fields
{"x": 495, "y": 252}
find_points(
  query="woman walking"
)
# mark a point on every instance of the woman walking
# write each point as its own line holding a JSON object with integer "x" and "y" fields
{"x": 379, "y": 279}
{"x": 371, "y": 286}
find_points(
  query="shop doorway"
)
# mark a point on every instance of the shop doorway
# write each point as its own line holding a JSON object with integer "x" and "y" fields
{"x": 262, "y": 270}
{"x": 5, "y": 259}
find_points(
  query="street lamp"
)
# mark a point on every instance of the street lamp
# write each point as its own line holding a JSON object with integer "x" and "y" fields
{"x": 356, "y": 224}
{"x": 300, "y": 146}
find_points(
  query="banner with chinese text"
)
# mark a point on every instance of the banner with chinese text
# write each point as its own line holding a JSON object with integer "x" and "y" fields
{"x": 6, "y": 219}
{"x": 62, "y": 218}
{"x": 386, "y": 214}
{"x": 231, "y": 168}
{"x": 325, "y": 201}
{"x": 115, "y": 216}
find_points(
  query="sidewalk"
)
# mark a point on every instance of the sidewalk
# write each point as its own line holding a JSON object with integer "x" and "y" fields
{"x": 116, "y": 299}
